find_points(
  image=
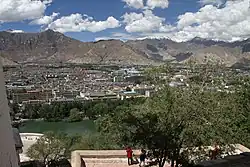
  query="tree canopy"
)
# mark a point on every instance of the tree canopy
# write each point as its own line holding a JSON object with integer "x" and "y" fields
{"x": 179, "y": 124}
{"x": 75, "y": 115}
{"x": 50, "y": 147}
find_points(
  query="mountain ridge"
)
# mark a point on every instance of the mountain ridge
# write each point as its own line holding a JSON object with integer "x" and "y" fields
{"x": 54, "y": 47}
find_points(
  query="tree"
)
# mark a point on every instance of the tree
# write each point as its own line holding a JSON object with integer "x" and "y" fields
{"x": 31, "y": 111}
{"x": 156, "y": 75}
{"x": 242, "y": 118}
{"x": 175, "y": 122}
{"x": 15, "y": 108}
{"x": 75, "y": 115}
{"x": 95, "y": 142}
{"x": 50, "y": 147}
{"x": 100, "y": 109}
{"x": 45, "y": 111}
{"x": 128, "y": 89}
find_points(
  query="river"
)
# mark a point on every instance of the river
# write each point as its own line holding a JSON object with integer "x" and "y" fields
{"x": 83, "y": 127}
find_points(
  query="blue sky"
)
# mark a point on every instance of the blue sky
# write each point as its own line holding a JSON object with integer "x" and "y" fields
{"x": 87, "y": 20}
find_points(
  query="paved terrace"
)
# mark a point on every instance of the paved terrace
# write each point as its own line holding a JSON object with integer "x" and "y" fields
{"x": 28, "y": 139}
{"x": 101, "y": 158}
{"x": 117, "y": 158}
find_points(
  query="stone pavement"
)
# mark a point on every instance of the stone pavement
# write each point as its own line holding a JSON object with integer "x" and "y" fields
{"x": 110, "y": 162}
{"x": 28, "y": 139}
{"x": 117, "y": 158}
{"x": 101, "y": 158}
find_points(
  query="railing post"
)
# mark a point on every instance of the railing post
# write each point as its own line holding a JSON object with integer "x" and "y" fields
{"x": 76, "y": 159}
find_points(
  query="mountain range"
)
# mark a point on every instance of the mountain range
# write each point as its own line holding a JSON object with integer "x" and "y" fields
{"x": 54, "y": 47}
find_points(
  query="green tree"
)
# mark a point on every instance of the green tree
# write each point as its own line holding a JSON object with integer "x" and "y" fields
{"x": 157, "y": 75}
{"x": 31, "y": 111}
{"x": 75, "y": 115}
{"x": 45, "y": 111}
{"x": 242, "y": 118}
{"x": 175, "y": 122}
{"x": 50, "y": 147}
{"x": 15, "y": 108}
{"x": 95, "y": 142}
{"x": 101, "y": 109}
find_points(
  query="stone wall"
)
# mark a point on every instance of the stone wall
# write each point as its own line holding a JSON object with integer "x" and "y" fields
{"x": 28, "y": 139}
{"x": 117, "y": 158}
{"x": 101, "y": 158}
{"x": 8, "y": 156}
{"x": 242, "y": 160}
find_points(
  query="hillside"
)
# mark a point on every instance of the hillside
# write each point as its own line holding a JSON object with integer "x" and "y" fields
{"x": 54, "y": 47}
{"x": 197, "y": 49}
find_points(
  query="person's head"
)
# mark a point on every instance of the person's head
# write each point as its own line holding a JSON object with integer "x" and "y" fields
{"x": 15, "y": 125}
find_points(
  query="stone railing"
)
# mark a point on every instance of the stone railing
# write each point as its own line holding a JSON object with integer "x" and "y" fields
{"x": 117, "y": 158}
{"x": 100, "y": 158}
{"x": 30, "y": 136}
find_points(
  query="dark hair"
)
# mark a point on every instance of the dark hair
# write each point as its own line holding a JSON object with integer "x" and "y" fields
{"x": 15, "y": 125}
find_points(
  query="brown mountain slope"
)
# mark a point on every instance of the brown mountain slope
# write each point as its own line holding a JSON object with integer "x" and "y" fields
{"x": 197, "y": 49}
{"x": 54, "y": 47}
{"x": 110, "y": 52}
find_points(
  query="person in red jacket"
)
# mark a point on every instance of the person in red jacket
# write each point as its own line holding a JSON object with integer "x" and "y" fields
{"x": 129, "y": 155}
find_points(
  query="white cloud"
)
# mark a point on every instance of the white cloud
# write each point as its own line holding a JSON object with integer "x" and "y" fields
{"x": 19, "y": 10}
{"x": 124, "y": 36}
{"x": 131, "y": 17}
{"x": 157, "y": 4}
{"x": 137, "y": 4}
{"x": 167, "y": 28}
{"x": 103, "y": 38}
{"x": 150, "y": 4}
{"x": 217, "y": 3}
{"x": 143, "y": 22}
{"x": 154, "y": 36}
{"x": 78, "y": 23}
{"x": 45, "y": 20}
{"x": 118, "y": 36}
{"x": 228, "y": 23}
{"x": 217, "y": 20}
{"x": 15, "y": 31}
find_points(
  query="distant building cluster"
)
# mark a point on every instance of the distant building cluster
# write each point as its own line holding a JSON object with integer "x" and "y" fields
{"x": 32, "y": 85}
{"x": 46, "y": 84}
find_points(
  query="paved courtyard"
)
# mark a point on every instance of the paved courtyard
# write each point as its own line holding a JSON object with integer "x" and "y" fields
{"x": 28, "y": 139}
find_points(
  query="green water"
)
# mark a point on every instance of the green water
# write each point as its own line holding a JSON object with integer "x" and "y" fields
{"x": 83, "y": 127}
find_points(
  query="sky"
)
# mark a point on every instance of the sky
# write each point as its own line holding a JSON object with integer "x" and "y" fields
{"x": 91, "y": 20}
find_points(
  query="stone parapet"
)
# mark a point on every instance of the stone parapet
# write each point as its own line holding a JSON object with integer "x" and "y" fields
{"x": 242, "y": 160}
{"x": 109, "y": 158}
{"x": 118, "y": 158}
{"x": 100, "y": 158}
